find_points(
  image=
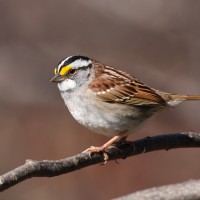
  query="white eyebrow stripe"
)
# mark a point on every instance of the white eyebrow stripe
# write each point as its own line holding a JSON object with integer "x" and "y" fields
{"x": 80, "y": 63}
{"x": 76, "y": 64}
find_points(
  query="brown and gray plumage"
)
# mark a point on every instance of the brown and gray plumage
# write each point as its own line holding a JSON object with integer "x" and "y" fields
{"x": 107, "y": 100}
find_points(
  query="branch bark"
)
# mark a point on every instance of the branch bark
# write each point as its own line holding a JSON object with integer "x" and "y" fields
{"x": 50, "y": 168}
{"x": 189, "y": 190}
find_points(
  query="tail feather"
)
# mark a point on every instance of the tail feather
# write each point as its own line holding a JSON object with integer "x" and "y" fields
{"x": 175, "y": 99}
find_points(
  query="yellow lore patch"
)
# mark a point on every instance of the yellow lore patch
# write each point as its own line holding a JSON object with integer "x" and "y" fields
{"x": 55, "y": 71}
{"x": 64, "y": 70}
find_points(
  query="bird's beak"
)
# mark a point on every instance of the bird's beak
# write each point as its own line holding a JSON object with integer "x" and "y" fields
{"x": 58, "y": 78}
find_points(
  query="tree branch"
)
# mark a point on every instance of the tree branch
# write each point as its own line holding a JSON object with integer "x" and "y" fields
{"x": 50, "y": 168}
{"x": 189, "y": 190}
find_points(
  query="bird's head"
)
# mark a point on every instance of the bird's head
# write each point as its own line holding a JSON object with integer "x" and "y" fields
{"x": 72, "y": 72}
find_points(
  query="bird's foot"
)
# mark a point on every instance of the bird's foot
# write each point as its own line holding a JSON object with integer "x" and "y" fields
{"x": 121, "y": 136}
{"x": 101, "y": 149}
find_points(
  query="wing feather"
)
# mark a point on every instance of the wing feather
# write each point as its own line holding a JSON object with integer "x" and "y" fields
{"x": 114, "y": 86}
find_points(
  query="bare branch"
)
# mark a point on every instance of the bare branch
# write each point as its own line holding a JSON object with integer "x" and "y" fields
{"x": 189, "y": 190}
{"x": 49, "y": 168}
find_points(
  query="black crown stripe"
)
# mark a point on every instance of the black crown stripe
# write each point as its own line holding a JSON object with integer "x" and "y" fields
{"x": 74, "y": 58}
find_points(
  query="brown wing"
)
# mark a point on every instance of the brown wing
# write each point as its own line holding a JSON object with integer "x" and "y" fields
{"x": 116, "y": 86}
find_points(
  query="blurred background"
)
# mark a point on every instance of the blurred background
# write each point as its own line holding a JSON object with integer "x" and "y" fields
{"x": 156, "y": 41}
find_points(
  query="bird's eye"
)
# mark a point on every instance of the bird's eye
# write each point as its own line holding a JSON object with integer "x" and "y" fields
{"x": 72, "y": 71}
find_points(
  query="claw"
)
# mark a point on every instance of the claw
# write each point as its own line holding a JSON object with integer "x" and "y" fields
{"x": 106, "y": 157}
{"x": 121, "y": 136}
{"x": 101, "y": 149}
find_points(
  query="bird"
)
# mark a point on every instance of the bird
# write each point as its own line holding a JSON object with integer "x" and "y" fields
{"x": 107, "y": 100}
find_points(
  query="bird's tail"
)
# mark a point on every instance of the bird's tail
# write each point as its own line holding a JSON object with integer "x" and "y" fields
{"x": 178, "y": 98}
{"x": 175, "y": 99}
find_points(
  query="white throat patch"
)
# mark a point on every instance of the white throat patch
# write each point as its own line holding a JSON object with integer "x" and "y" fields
{"x": 67, "y": 84}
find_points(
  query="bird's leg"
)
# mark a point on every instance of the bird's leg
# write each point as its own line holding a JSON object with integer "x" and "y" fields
{"x": 121, "y": 142}
{"x": 116, "y": 138}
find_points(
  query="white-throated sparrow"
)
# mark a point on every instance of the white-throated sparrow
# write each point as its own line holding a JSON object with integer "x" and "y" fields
{"x": 107, "y": 100}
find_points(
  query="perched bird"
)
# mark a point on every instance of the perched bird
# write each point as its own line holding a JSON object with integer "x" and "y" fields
{"x": 107, "y": 100}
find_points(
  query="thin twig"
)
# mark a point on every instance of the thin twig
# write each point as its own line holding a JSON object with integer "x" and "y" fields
{"x": 49, "y": 168}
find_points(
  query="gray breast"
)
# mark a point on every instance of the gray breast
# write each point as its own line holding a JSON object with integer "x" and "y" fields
{"x": 104, "y": 118}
